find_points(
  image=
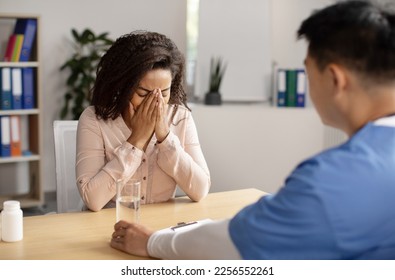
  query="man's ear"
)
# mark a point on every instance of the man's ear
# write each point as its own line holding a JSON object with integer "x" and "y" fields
{"x": 338, "y": 78}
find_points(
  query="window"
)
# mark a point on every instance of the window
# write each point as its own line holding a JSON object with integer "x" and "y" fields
{"x": 192, "y": 41}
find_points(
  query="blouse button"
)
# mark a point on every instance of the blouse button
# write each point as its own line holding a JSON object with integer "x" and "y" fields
{"x": 144, "y": 178}
{"x": 142, "y": 198}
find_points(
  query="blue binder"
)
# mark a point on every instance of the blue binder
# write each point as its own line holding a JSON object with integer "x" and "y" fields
{"x": 27, "y": 27}
{"x": 28, "y": 97}
{"x": 16, "y": 76}
{"x": 281, "y": 88}
{"x": 5, "y": 89}
{"x": 5, "y": 136}
{"x": 300, "y": 88}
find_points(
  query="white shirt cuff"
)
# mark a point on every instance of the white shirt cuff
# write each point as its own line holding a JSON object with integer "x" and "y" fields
{"x": 206, "y": 239}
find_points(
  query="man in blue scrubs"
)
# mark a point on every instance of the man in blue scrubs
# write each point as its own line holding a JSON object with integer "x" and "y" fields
{"x": 339, "y": 204}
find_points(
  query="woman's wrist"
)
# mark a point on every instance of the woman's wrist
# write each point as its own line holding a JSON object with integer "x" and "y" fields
{"x": 136, "y": 143}
{"x": 161, "y": 139}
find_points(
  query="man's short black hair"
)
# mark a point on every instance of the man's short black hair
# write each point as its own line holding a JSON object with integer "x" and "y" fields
{"x": 357, "y": 34}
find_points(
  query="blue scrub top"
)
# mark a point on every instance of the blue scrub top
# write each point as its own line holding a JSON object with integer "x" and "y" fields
{"x": 339, "y": 204}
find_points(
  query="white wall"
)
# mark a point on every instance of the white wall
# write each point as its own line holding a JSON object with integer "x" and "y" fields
{"x": 116, "y": 17}
{"x": 287, "y": 17}
{"x": 168, "y": 17}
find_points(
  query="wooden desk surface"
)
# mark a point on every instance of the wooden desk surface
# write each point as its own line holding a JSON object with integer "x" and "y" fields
{"x": 86, "y": 235}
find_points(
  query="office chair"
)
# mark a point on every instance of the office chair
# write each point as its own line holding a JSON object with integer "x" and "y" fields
{"x": 67, "y": 195}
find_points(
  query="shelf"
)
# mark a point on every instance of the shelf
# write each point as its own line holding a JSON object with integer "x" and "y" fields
{"x": 19, "y": 64}
{"x": 19, "y": 112}
{"x": 21, "y": 176}
{"x": 25, "y": 200}
{"x": 19, "y": 159}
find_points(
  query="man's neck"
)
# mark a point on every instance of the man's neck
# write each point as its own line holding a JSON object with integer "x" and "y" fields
{"x": 375, "y": 105}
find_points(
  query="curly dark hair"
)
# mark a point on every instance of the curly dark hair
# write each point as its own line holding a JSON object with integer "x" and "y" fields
{"x": 126, "y": 62}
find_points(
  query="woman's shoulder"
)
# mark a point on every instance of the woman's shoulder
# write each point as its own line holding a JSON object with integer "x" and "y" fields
{"x": 89, "y": 112}
{"x": 88, "y": 116}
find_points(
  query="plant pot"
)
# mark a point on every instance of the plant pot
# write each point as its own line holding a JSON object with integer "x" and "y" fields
{"x": 212, "y": 98}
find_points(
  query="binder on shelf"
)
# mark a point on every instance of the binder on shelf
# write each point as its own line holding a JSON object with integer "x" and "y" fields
{"x": 16, "y": 76}
{"x": 16, "y": 53}
{"x": 28, "y": 28}
{"x": 28, "y": 94}
{"x": 291, "y": 88}
{"x": 5, "y": 93}
{"x": 19, "y": 177}
{"x": 10, "y": 48}
{"x": 16, "y": 144}
{"x": 281, "y": 88}
{"x": 300, "y": 88}
{"x": 5, "y": 141}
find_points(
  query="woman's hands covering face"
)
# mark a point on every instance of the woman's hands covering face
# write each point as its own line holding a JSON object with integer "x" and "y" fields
{"x": 147, "y": 119}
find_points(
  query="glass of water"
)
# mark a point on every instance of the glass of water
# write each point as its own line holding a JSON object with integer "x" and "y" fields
{"x": 128, "y": 200}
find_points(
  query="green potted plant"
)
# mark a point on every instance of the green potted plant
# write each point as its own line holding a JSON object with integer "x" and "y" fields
{"x": 88, "y": 49}
{"x": 217, "y": 71}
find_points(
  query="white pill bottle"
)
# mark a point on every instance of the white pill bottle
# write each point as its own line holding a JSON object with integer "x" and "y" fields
{"x": 11, "y": 221}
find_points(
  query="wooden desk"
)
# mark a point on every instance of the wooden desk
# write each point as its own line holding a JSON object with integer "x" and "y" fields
{"x": 86, "y": 235}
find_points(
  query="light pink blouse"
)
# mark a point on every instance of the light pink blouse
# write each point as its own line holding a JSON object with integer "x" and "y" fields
{"x": 104, "y": 156}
